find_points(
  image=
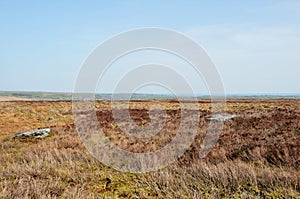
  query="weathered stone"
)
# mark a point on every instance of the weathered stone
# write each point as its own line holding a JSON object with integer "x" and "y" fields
{"x": 40, "y": 133}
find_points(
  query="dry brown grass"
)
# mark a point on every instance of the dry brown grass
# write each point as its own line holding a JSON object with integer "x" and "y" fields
{"x": 243, "y": 165}
{"x": 10, "y": 98}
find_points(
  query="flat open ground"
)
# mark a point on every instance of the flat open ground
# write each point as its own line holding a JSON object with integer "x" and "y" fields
{"x": 11, "y": 98}
{"x": 257, "y": 155}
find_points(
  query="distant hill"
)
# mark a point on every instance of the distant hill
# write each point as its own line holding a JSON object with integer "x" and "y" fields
{"x": 68, "y": 96}
{"x": 24, "y": 95}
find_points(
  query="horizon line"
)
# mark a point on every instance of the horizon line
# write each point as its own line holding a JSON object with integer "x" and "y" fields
{"x": 164, "y": 94}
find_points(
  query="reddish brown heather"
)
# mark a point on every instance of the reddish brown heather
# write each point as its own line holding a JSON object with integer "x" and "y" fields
{"x": 257, "y": 155}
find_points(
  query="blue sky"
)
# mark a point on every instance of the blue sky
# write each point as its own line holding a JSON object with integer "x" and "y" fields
{"x": 254, "y": 44}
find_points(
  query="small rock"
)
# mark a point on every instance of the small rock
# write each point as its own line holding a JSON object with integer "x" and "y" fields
{"x": 40, "y": 133}
{"x": 219, "y": 117}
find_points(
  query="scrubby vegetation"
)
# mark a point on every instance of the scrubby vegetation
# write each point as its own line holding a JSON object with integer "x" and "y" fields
{"x": 257, "y": 156}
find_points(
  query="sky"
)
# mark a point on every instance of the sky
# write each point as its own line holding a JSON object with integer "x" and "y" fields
{"x": 255, "y": 45}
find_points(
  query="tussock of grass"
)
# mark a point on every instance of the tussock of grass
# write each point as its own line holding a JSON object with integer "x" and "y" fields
{"x": 59, "y": 167}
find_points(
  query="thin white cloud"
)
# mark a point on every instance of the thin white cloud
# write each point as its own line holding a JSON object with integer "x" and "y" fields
{"x": 269, "y": 38}
{"x": 253, "y": 60}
